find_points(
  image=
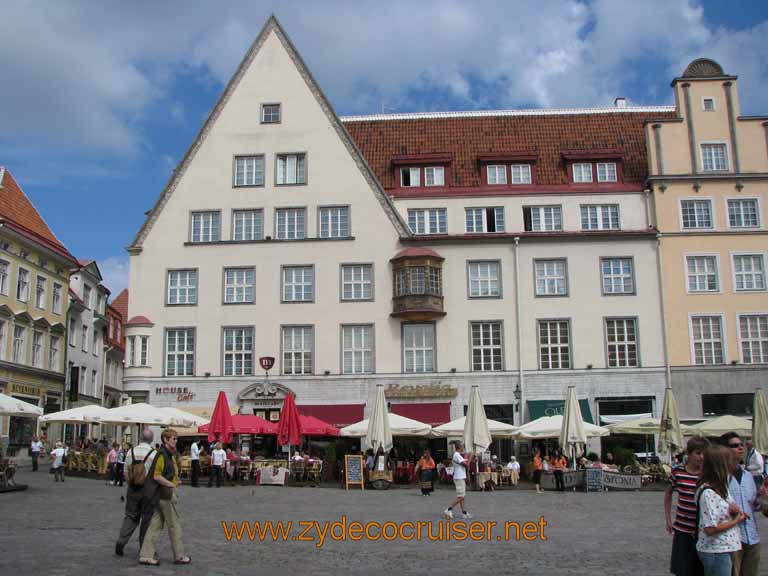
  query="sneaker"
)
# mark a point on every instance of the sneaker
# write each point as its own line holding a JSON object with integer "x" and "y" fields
{"x": 448, "y": 513}
{"x": 466, "y": 515}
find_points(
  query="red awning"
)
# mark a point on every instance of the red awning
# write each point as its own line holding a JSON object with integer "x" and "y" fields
{"x": 248, "y": 424}
{"x": 434, "y": 413}
{"x": 337, "y": 414}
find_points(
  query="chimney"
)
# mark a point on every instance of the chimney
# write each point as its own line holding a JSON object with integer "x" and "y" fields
{"x": 620, "y": 102}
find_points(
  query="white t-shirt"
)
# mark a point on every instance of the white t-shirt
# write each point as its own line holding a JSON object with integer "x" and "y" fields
{"x": 755, "y": 463}
{"x": 194, "y": 452}
{"x": 37, "y": 446}
{"x": 219, "y": 457}
{"x": 58, "y": 454}
{"x": 459, "y": 467}
{"x": 513, "y": 466}
{"x": 713, "y": 510}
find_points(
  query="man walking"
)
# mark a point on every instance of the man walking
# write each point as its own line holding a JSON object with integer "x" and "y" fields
{"x": 744, "y": 492}
{"x": 194, "y": 456}
{"x": 35, "y": 449}
{"x": 218, "y": 459}
{"x": 137, "y": 459}
{"x": 460, "y": 466}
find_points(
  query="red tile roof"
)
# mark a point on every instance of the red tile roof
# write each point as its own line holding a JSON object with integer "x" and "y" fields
{"x": 17, "y": 209}
{"x": 139, "y": 320}
{"x": 120, "y": 303}
{"x": 467, "y": 137}
{"x": 416, "y": 251}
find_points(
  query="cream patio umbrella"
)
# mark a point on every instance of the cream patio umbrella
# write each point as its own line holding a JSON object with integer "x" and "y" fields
{"x": 456, "y": 428}
{"x": 183, "y": 418}
{"x": 645, "y": 426}
{"x": 142, "y": 413}
{"x": 722, "y": 424}
{"x": 398, "y": 426}
{"x": 477, "y": 436}
{"x": 10, "y": 406}
{"x": 379, "y": 433}
{"x": 550, "y": 427}
{"x": 573, "y": 436}
{"x": 760, "y": 423}
{"x": 88, "y": 414}
{"x": 670, "y": 434}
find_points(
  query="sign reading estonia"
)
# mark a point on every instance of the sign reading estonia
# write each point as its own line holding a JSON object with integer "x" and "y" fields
{"x": 420, "y": 391}
{"x": 621, "y": 481}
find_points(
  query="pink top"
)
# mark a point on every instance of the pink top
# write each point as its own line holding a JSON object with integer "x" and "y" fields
{"x": 112, "y": 456}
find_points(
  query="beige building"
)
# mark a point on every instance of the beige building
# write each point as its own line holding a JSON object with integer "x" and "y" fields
{"x": 708, "y": 172}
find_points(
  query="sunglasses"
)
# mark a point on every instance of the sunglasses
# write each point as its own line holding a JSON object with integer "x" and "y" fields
{"x": 739, "y": 445}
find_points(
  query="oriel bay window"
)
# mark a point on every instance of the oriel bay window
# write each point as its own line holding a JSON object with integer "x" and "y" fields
{"x": 418, "y": 284}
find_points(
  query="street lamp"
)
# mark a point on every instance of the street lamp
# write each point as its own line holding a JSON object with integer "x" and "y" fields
{"x": 517, "y": 394}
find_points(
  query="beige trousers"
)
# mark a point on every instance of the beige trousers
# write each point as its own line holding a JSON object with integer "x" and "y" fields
{"x": 166, "y": 514}
{"x": 746, "y": 560}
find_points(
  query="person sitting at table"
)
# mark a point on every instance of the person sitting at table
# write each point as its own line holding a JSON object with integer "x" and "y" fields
{"x": 233, "y": 465}
{"x": 425, "y": 471}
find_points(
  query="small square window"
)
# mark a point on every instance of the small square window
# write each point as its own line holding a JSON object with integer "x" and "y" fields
{"x": 434, "y": 176}
{"x": 606, "y": 172}
{"x": 708, "y": 104}
{"x": 270, "y": 113}
{"x": 582, "y": 172}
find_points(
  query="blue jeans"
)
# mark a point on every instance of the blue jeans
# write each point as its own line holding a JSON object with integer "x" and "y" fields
{"x": 716, "y": 563}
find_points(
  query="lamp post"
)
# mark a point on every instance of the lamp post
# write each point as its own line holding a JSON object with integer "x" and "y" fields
{"x": 518, "y": 394}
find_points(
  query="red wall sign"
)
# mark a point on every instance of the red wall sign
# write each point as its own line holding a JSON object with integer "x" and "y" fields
{"x": 267, "y": 362}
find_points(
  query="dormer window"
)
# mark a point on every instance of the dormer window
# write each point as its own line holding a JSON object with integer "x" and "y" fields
{"x": 588, "y": 166}
{"x": 582, "y": 172}
{"x": 497, "y": 174}
{"x": 507, "y": 168}
{"x": 434, "y": 176}
{"x": 606, "y": 171}
{"x": 410, "y": 177}
{"x": 422, "y": 170}
{"x": 521, "y": 173}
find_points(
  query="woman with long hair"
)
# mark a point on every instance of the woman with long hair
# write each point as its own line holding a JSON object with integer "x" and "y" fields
{"x": 719, "y": 516}
{"x": 425, "y": 471}
{"x": 538, "y": 466}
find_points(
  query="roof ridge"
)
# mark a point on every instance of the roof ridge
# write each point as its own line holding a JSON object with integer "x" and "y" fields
{"x": 509, "y": 112}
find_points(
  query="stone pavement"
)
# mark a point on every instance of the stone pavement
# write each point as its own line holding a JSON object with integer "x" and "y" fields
{"x": 70, "y": 528}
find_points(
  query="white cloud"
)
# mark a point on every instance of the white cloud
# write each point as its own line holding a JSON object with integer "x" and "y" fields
{"x": 114, "y": 271}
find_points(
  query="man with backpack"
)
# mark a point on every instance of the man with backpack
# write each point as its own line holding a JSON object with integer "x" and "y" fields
{"x": 138, "y": 461}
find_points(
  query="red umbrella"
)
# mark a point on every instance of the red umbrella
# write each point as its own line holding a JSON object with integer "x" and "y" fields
{"x": 289, "y": 427}
{"x": 220, "y": 427}
{"x": 312, "y": 426}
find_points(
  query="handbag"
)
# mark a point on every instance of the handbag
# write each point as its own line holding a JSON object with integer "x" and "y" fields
{"x": 545, "y": 465}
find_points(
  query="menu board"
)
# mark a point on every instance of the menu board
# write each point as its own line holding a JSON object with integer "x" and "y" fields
{"x": 594, "y": 480}
{"x": 353, "y": 465}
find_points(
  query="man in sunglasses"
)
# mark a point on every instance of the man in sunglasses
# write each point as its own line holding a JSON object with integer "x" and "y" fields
{"x": 744, "y": 492}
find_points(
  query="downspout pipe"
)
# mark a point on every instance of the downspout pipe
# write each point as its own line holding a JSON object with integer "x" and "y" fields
{"x": 520, "y": 403}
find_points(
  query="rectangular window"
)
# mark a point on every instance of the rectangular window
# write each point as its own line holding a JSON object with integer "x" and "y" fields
{"x": 56, "y": 296}
{"x": 521, "y": 173}
{"x": 334, "y": 222}
{"x": 357, "y": 282}
{"x": 3, "y": 338}
{"x": 239, "y": 285}
{"x": 94, "y": 384}
{"x": 182, "y": 287}
{"x": 749, "y": 272}
{"x": 542, "y": 218}
{"x": 497, "y": 174}
{"x": 96, "y": 338}
{"x": 621, "y": 339}
{"x": 582, "y": 172}
{"x": 484, "y": 279}
{"x": 600, "y": 217}
{"x": 428, "y": 221}
{"x": 410, "y": 177}
{"x": 206, "y": 227}
{"x": 298, "y": 284}
{"x": 5, "y": 271}
{"x": 290, "y": 223}
{"x": 22, "y": 285}
{"x": 696, "y": 214}
{"x": 84, "y": 333}
{"x": 73, "y": 332}
{"x": 247, "y": 224}
{"x": 753, "y": 331}
{"x": 83, "y": 376}
{"x": 487, "y": 352}
{"x": 131, "y": 343}
{"x": 419, "y": 348}
{"x": 291, "y": 169}
{"x": 357, "y": 349}
{"x": 708, "y": 104}
{"x": 41, "y": 292}
{"x": 143, "y": 350}
{"x": 298, "y": 343}
{"x": 551, "y": 277}
{"x": 238, "y": 351}
{"x": 743, "y": 213}
{"x": 87, "y": 296}
{"x": 484, "y": 219}
{"x": 707, "y": 340}
{"x": 180, "y": 352}
{"x": 714, "y": 157}
{"x": 702, "y": 274}
{"x": 554, "y": 345}
{"x": 270, "y": 113}
{"x": 606, "y": 172}
{"x": 434, "y": 176}
{"x": 53, "y": 354}
{"x": 19, "y": 344}
{"x": 37, "y": 349}
{"x": 617, "y": 276}
{"x": 249, "y": 171}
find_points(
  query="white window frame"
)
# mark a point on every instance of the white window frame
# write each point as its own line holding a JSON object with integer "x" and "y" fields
{"x": 481, "y": 281}
{"x": 424, "y": 355}
{"x": 38, "y": 347}
{"x": 723, "y": 342}
{"x": 704, "y": 100}
{"x": 727, "y": 156}
{"x": 54, "y": 359}
{"x": 491, "y": 353}
{"x": 72, "y": 328}
{"x": 608, "y": 176}
{"x": 297, "y": 350}
{"x": 87, "y": 292}
{"x": 181, "y": 354}
{"x": 22, "y": 284}
{"x": 579, "y": 175}
{"x": 764, "y": 259}
{"x": 688, "y": 276}
{"x": 239, "y": 285}
{"x": 758, "y": 207}
{"x": 85, "y": 335}
{"x": 435, "y": 174}
{"x": 94, "y": 384}
{"x": 4, "y": 327}
{"x": 187, "y": 289}
{"x": 240, "y": 356}
{"x": 543, "y": 271}
{"x": 5, "y": 275}
{"x": 285, "y": 217}
{"x": 604, "y": 221}
{"x": 249, "y": 171}
{"x": 96, "y": 338}
{"x": 428, "y": 220}
{"x": 358, "y": 352}
{"x": 761, "y": 338}
{"x": 247, "y": 220}
{"x": 626, "y": 345}
{"x": 618, "y": 277}
{"x": 558, "y": 348}
{"x": 334, "y": 222}
{"x": 208, "y": 226}
{"x": 143, "y": 351}
{"x": 41, "y": 296}
{"x": 56, "y": 300}
{"x": 19, "y": 344}
{"x": 496, "y": 174}
{"x": 413, "y": 182}
{"x": 483, "y": 221}
{"x": 695, "y": 200}
{"x": 291, "y": 169}
{"x": 297, "y": 284}
{"x": 359, "y": 278}
{"x": 541, "y": 211}
{"x": 264, "y": 119}
{"x": 520, "y": 174}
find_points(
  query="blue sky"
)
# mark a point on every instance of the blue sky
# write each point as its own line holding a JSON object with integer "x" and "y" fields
{"x": 99, "y": 101}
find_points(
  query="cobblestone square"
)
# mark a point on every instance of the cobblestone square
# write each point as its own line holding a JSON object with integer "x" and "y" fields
{"x": 70, "y": 528}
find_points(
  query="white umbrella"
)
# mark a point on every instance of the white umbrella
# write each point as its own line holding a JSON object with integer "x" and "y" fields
{"x": 398, "y": 426}
{"x": 572, "y": 434}
{"x": 140, "y": 413}
{"x": 550, "y": 427}
{"x": 722, "y": 424}
{"x": 182, "y": 418}
{"x": 670, "y": 434}
{"x": 10, "y": 406}
{"x": 379, "y": 433}
{"x": 477, "y": 437}
{"x": 456, "y": 428}
{"x": 88, "y": 414}
{"x": 760, "y": 423}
